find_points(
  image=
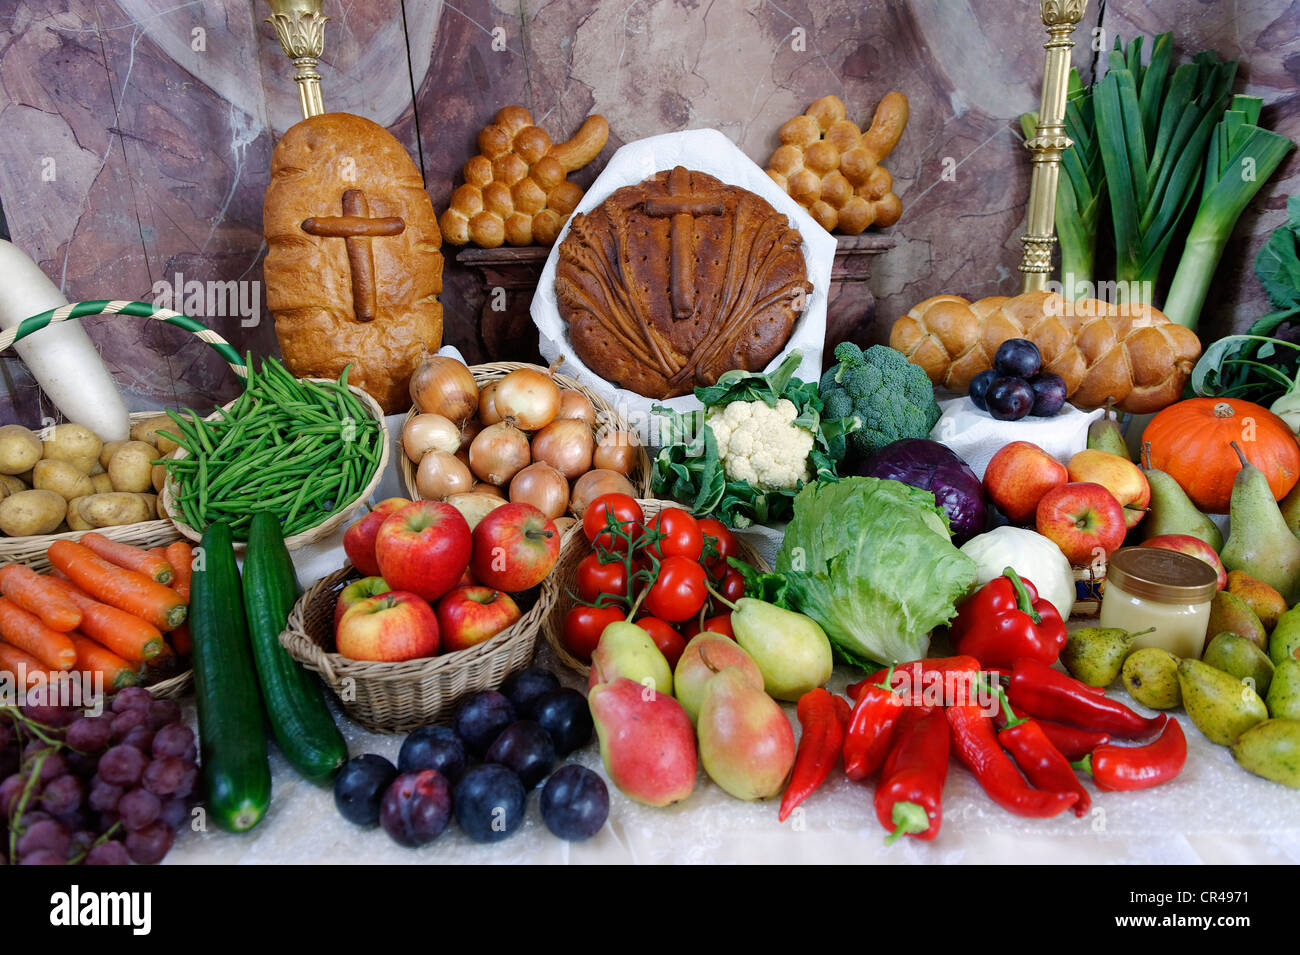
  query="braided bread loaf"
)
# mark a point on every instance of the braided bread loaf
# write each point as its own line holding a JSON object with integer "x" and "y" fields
{"x": 1132, "y": 353}
{"x": 832, "y": 168}
{"x": 515, "y": 190}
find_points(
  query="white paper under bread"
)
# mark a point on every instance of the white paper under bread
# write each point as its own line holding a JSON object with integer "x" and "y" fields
{"x": 707, "y": 151}
{"x": 976, "y": 435}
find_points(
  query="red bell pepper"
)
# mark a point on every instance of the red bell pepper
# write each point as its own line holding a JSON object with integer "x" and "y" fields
{"x": 822, "y": 718}
{"x": 1037, "y": 758}
{"x": 909, "y": 796}
{"x": 871, "y": 728}
{"x": 1043, "y": 692}
{"x": 1006, "y": 620}
{"x": 1122, "y": 768}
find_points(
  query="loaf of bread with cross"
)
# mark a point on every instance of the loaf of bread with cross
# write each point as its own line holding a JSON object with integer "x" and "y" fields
{"x": 832, "y": 168}
{"x": 353, "y": 268}
{"x": 515, "y": 189}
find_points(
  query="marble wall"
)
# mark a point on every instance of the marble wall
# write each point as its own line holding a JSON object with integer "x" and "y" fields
{"x": 135, "y": 135}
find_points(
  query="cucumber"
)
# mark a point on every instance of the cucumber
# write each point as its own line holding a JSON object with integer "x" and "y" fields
{"x": 295, "y": 703}
{"x": 231, "y": 730}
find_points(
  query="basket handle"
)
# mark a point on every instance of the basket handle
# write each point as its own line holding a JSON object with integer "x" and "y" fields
{"x": 68, "y": 312}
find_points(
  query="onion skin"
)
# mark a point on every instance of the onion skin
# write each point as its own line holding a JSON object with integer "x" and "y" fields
{"x": 482, "y": 487}
{"x": 487, "y": 410}
{"x": 595, "y": 483}
{"x": 565, "y": 444}
{"x": 543, "y": 487}
{"x": 474, "y": 506}
{"x": 528, "y": 396}
{"x": 429, "y": 432}
{"x": 498, "y": 453}
{"x": 574, "y": 404}
{"x": 441, "y": 474}
{"x": 617, "y": 451}
{"x": 445, "y": 386}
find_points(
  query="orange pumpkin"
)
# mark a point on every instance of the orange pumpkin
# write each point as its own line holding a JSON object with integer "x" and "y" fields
{"x": 1191, "y": 441}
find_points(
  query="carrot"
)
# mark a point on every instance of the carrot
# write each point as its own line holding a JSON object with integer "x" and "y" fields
{"x": 125, "y": 634}
{"x": 26, "y": 632}
{"x": 15, "y": 661}
{"x": 118, "y": 587}
{"x": 39, "y": 595}
{"x": 180, "y": 640}
{"x": 180, "y": 554}
{"x": 95, "y": 658}
{"x": 129, "y": 556}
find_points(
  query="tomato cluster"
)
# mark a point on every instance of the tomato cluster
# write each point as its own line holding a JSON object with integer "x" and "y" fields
{"x": 662, "y": 569}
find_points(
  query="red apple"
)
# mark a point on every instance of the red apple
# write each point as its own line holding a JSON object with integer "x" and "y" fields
{"x": 423, "y": 548}
{"x": 515, "y": 547}
{"x": 470, "y": 615}
{"x": 1186, "y": 544}
{"x": 392, "y": 627}
{"x": 356, "y": 591}
{"x": 1018, "y": 476}
{"x": 359, "y": 538}
{"x": 1120, "y": 476}
{"x": 1084, "y": 520}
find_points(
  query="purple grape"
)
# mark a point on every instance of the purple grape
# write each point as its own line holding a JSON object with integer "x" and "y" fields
{"x": 43, "y": 857}
{"x": 416, "y": 808}
{"x": 1017, "y": 358}
{"x": 1009, "y": 399}
{"x": 149, "y": 845}
{"x": 62, "y": 795}
{"x": 163, "y": 713}
{"x": 574, "y": 803}
{"x": 132, "y": 698}
{"x": 81, "y": 842}
{"x": 44, "y": 834}
{"x": 128, "y": 720}
{"x": 122, "y": 765}
{"x": 175, "y": 739}
{"x": 1049, "y": 394}
{"x": 11, "y": 790}
{"x": 979, "y": 386}
{"x": 90, "y": 734}
{"x": 55, "y": 716}
{"x": 107, "y": 853}
{"x": 169, "y": 776}
{"x": 138, "y": 808}
{"x": 103, "y": 796}
{"x": 53, "y": 765}
{"x": 107, "y": 820}
{"x": 141, "y": 738}
{"x": 84, "y": 765}
{"x": 175, "y": 812}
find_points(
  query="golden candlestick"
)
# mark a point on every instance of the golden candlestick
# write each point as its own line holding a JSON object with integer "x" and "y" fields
{"x": 1049, "y": 142}
{"x": 300, "y": 26}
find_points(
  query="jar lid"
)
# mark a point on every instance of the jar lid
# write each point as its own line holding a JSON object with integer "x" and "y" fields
{"x": 1165, "y": 576}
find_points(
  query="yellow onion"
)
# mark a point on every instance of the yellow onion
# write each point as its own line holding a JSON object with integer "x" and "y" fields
{"x": 574, "y": 404}
{"x": 498, "y": 453}
{"x": 482, "y": 487}
{"x": 617, "y": 451}
{"x": 443, "y": 385}
{"x": 429, "y": 432}
{"x": 565, "y": 444}
{"x": 474, "y": 506}
{"x": 529, "y": 397}
{"x": 487, "y": 408}
{"x": 441, "y": 473}
{"x": 595, "y": 483}
{"x": 562, "y": 524}
{"x": 541, "y": 486}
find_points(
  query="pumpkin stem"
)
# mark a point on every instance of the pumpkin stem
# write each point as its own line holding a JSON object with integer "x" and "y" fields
{"x": 1244, "y": 462}
{"x": 1223, "y": 410}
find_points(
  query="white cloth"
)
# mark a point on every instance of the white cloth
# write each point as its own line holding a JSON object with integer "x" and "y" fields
{"x": 707, "y": 151}
{"x": 976, "y": 435}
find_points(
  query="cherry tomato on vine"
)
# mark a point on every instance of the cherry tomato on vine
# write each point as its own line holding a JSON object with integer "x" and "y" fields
{"x": 584, "y": 625}
{"x": 669, "y": 641}
{"x": 679, "y": 592}
{"x": 720, "y": 548}
{"x": 682, "y": 537}
{"x": 732, "y": 587}
{"x": 595, "y": 578}
{"x": 719, "y": 624}
{"x": 627, "y": 512}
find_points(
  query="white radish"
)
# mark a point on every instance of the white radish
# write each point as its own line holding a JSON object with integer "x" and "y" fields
{"x": 61, "y": 357}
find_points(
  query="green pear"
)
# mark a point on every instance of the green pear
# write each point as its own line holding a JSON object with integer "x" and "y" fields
{"x": 1239, "y": 657}
{"x": 1094, "y": 655}
{"x": 1151, "y": 678}
{"x": 1171, "y": 511}
{"x": 1283, "y": 697}
{"x": 746, "y": 742}
{"x": 1222, "y": 706}
{"x": 625, "y": 650}
{"x": 1230, "y": 614}
{"x": 791, "y": 650}
{"x": 1259, "y": 541}
{"x": 1271, "y": 749}
{"x": 1284, "y": 642}
{"x": 1104, "y": 434}
{"x": 1290, "y": 508}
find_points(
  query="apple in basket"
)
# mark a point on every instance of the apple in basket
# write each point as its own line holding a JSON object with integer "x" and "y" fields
{"x": 389, "y": 628}
{"x": 357, "y": 591}
{"x": 1082, "y": 519}
{"x": 515, "y": 547}
{"x": 471, "y": 615}
{"x": 359, "y": 538}
{"x": 423, "y": 548}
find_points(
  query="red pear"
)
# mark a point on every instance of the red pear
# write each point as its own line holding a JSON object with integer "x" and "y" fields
{"x": 746, "y": 742}
{"x": 646, "y": 741}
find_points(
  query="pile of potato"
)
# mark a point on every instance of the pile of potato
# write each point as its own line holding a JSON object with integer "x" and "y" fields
{"x": 66, "y": 479}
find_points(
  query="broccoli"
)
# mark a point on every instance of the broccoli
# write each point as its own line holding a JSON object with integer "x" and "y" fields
{"x": 893, "y": 397}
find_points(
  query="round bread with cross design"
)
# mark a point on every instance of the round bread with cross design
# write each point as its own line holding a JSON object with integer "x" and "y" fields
{"x": 671, "y": 282}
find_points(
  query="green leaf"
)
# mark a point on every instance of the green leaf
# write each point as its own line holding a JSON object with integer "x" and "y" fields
{"x": 1278, "y": 263}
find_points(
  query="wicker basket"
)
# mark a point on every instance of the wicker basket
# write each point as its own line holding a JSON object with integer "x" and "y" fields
{"x": 607, "y": 417}
{"x": 331, "y": 523}
{"x": 561, "y": 584}
{"x": 400, "y": 697}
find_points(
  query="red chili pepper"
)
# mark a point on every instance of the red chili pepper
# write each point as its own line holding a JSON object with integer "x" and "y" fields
{"x": 1005, "y": 620}
{"x": 1041, "y": 691}
{"x": 920, "y": 674}
{"x": 976, "y": 743}
{"x": 1038, "y": 759}
{"x": 1121, "y": 768}
{"x": 1072, "y": 743}
{"x": 822, "y": 718}
{"x": 909, "y": 796}
{"x": 870, "y": 729}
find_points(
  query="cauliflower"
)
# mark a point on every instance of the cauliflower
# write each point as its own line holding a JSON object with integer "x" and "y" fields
{"x": 760, "y": 444}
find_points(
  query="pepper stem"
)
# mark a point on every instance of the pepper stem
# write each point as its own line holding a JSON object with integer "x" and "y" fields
{"x": 1084, "y": 765}
{"x": 887, "y": 683}
{"x": 1024, "y": 602}
{"x": 1007, "y": 711}
{"x": 910, "y": 818}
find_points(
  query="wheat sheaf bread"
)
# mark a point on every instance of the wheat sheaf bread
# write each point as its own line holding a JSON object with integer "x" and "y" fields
{"x": 671, "y": 282}
{"x": 353, "y": 268}
{"x": 1130, "y": 352}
